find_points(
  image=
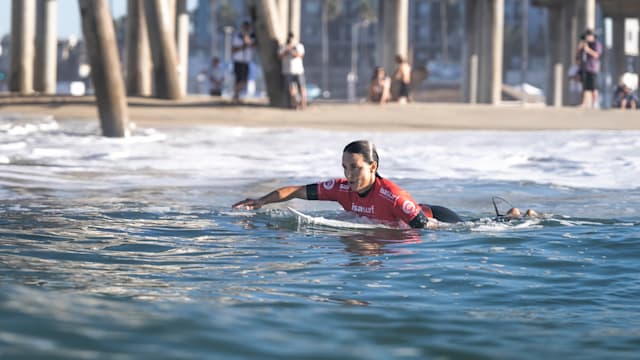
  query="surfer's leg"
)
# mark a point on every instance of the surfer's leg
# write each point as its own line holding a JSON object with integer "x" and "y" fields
{"x": 444, "y": 214}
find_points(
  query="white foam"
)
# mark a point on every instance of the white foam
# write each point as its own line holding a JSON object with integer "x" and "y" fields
{"x": 208, "y": 155}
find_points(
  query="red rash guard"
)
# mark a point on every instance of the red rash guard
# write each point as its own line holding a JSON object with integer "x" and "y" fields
{"x": 385, "y": 201}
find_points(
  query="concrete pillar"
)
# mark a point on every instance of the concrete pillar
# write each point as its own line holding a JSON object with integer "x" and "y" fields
{"x": 46, "y": 60}
{"x": 570, "y": 38}
{"x": 171, "y": 15}
{"x": 100, "y": 40}
{"x": 281, "y": 20}
{"x": 182, "y": 44}
{"x": 395, "y": 30}
{"x": 23, "y": 13}
{"x": 324, "y": 44}
{"x": 138, "y": 58}
{"x": 213, "y": 26}
{"x": 470, "y": 52}
{"x": 484, "y": 53}
{"x": 590, "y": 14}
{"x": 585, "y": 10}
{"x": 294, "y": 18}
{"x": 497, "y": 46}
{"x": 619, "y": 57}
{"x": 163, "y": 49}
{"x": 491, "y": 50}
{"x": 556, "y": 71}
{"x": 265, "y": 27}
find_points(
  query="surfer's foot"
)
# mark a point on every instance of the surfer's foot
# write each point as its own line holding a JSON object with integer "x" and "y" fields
{"x": 516, "y": 213}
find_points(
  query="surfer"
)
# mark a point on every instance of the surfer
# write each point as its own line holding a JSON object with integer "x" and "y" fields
{"x": 362, "y": 191}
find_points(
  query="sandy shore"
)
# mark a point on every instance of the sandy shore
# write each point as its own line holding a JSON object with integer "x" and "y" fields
{"x": 390, "y": 117}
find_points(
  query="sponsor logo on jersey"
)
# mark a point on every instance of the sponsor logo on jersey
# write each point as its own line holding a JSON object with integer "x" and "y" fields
{"x": 387, "y": 194}
{"x": 329, "y": 184}
{"x": 362, "y": 209}
{"x": 344, "y": 187}
{"x": 408, "y": 207}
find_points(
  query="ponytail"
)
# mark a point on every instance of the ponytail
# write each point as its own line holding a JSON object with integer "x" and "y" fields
{"x": 365, "y": 148}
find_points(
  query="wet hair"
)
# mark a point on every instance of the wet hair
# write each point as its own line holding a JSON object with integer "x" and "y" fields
{"x": 365, "y": 148}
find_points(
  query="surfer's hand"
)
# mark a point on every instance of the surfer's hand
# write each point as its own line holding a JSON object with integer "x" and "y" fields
{"x": 249, "y": 204}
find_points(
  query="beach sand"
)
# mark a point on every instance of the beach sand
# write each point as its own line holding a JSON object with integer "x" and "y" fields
{"x": 198, "y": 110}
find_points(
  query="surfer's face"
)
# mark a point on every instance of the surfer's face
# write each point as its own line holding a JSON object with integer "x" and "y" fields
{"x": 360, "y": 174}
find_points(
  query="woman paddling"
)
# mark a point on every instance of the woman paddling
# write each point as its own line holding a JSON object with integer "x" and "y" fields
{"x": 362, "y": 191}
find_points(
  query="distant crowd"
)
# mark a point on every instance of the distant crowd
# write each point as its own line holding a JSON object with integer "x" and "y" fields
{"x": 383, "y": 88}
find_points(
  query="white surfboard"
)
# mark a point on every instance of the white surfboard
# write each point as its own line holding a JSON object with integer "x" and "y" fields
{"x": 338, "y": 224}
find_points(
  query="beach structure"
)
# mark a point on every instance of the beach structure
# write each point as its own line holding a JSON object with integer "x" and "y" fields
{"x": 138, "y": 53}
{"x": 482, "y": 81}
{"x": 23, "y": 15}
{"x": 163, "y": 50}
{"x": 97, "y": 26}
{"x": 46, "y": 38}
{"x": 157, "y": 43}
{"x": 394, "y": 28}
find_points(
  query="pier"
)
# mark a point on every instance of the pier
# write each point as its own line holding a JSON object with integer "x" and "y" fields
{"x": 157, "y": 48}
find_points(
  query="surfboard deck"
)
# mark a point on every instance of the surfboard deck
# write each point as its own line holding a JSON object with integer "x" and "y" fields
{"x": 333, "y": 223}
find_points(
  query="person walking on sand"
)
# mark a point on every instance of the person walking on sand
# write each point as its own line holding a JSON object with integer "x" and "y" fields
{"x": 403, "y": 76}
{"x": 242, "y": 52}
{"x": 291, "y": 54}
{"x": 588, "y": 57}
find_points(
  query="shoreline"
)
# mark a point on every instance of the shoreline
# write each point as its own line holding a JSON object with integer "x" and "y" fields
{"x": 203, "y": 110}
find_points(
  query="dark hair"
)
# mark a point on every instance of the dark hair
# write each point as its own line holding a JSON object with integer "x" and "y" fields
{"x": 364, "y": 148}
{"x": 375, "y": 72}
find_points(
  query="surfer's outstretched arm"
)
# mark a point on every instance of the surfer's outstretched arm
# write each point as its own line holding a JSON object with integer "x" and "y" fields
{"x": 283, "y": 194}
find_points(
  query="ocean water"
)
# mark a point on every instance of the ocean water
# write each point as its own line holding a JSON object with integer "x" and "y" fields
{"x": 128, "y": 248}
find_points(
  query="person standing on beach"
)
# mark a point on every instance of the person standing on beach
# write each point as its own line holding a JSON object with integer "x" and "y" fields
{"x": 291, "y": 54}
{"x": 588, "y": 57}
{"x": 242, "y": 50}
{"x": 403, "y": 76}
